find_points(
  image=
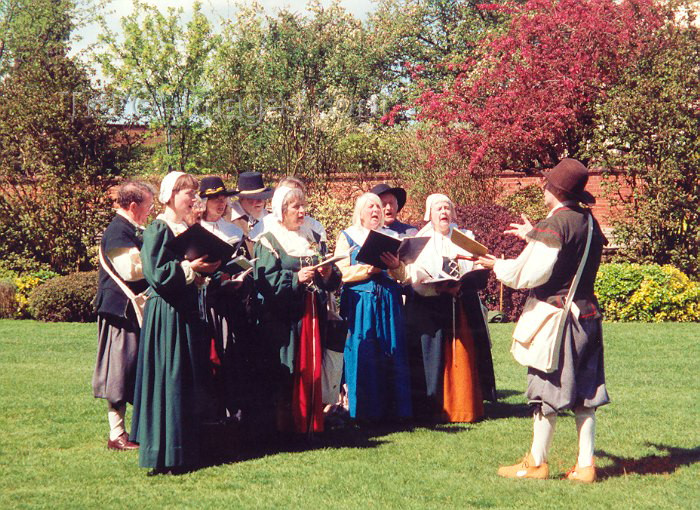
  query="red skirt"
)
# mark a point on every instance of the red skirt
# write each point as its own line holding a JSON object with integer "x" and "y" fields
{"x": 307, "y": 398}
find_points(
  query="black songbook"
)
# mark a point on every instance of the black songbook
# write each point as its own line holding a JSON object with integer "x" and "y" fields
{"x": 197, "y": 242}
{"x": 407, "y": 249}
{"x": 476, "y": 279}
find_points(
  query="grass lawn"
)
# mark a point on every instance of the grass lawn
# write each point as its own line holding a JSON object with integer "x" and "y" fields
{"x": 53, "y": 440}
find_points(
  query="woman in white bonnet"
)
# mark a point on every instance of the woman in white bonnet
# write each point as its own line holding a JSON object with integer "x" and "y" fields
{"x": 450, "y": 354}
{"x": 173, "y": 352}
{"x": 293, "y": 311}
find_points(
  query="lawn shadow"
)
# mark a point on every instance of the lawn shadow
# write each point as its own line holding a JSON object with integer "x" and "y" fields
{"x": 651, "y": 464}
{"x": 231, "y": 444}
{"x": 499, "y": 409}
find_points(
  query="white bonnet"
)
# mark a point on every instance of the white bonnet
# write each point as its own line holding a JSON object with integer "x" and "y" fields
{"x": 434, "y": 199}
{"x": 167, "y": 185}
{"x": 278, "y": 199}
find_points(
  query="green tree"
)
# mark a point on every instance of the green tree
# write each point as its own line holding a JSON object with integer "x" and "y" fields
{"x": 648, "y": 137}
{"x": 289, "y": 88}
{"x": 57, "y": 156}
{"x": 160, "y": 65}
{"x": 425, "y": 42}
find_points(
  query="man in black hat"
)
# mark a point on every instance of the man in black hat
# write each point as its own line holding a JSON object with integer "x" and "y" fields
{"x": 561, "y": 255}
{"x": 118, "y": 328}
{"x": 393, "y": 200}
{"x": 249, "y": 209}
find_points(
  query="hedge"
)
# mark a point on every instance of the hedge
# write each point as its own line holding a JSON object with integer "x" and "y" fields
{"x": 647, "y": 293}
{"x": 65, "y": 298}
{"x": 488, "y": 222}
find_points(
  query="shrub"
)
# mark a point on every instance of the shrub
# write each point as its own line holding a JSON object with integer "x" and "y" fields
{"x": 24, "y": 285}
{"x": 8, "y": 303}
{"x": 66, "y": 298}
{"x": 528, "y": 200}
{"x": 335, "y": 215}
{"x": 648, "y": 293}
{"x": 488, "y": 223}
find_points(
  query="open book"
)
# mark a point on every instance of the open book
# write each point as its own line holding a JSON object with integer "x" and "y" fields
{"x": 196, "y": 242}
{"x": 407, "y": 249}
{"x": 476, "y": 279}
{"x": 331, "y": 259}
{"x": 467, "y": 243}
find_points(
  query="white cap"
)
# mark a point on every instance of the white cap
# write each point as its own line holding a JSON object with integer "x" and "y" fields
{"x": 434, "y": 199}
{"x": 167, "y": 185}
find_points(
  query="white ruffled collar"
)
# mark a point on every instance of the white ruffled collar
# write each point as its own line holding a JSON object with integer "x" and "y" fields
{"x": 296, "y": 243}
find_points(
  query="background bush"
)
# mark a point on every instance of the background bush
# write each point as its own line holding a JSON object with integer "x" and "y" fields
{"x": 66, "y": 298}
{"x": 8, "y": 304}
{"x": 648, "y": 293}
{"x": 334, "y": 214}
{"x": 528, "y": 200}
{"x": 488, "y": 223}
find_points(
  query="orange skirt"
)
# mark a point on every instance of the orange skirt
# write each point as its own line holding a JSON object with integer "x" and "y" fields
{"x": 463, "y": 401}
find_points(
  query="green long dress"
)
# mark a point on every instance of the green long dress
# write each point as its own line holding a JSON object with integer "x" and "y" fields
{"x": 172, "y": 360}
{"x": 293, "y": 323}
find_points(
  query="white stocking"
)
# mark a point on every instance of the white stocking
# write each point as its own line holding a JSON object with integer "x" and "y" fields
{"x": 543, "y": 432}
{"x": 115, "y": 414}
{"x": 585, "y": 425}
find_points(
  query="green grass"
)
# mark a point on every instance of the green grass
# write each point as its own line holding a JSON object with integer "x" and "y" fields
{"x": 53, "y": 435}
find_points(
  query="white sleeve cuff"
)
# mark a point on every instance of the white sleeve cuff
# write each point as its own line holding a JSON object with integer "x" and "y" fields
{"x": 189, "y": 272}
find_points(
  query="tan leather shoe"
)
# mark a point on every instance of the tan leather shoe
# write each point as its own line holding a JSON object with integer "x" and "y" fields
{"x": 584, "y": 475}
{"x": 525, "y": 469}
{"x": 122, "y": 443}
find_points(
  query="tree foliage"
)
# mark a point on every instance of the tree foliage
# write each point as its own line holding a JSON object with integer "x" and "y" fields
{"x": 648, "y": 136}
{"x": 288, "y": 89}
{"x": 161, "y": 65}
{"x": 529, "y": 99}
{"x": 57, "y": 158}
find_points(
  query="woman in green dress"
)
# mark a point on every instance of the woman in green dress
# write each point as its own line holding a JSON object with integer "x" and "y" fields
{"x": 173, "y": 350}
{"x": 294, "y": 311}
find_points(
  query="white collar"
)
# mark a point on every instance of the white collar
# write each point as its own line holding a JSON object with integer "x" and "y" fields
{"x": 177, "y": 228}
{"x": 296, "y": 243}
{"x": 121, "y": 212}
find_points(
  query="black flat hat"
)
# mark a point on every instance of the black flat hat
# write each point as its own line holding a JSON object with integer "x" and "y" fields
{"x": 251, "y": 185}
{"x": 571, "y": 177}
{"x": 399, "y": 193}
{"x": 210, "y": 187}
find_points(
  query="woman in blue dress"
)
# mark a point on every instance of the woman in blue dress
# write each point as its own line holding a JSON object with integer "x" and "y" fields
{"x": 376, "y": 364}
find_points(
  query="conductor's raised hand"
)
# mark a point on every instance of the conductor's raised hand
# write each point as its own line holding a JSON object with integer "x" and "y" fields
{"x": 201, "y": 266}
{"x": 520, "y": 229}
{"x": 391, "y": 260}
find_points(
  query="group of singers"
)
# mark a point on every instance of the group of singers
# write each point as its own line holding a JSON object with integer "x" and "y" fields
{"x": 214, "y": 345}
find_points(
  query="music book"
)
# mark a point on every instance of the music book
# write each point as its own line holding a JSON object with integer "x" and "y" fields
{"x": 476, "y": 279}
{"x": 407, "y": 249}
{"x": 330, "y": 260}
{"x": 197, "y": 242}
{"x": 238, "y": 264}
{"x": 467, "y": 243}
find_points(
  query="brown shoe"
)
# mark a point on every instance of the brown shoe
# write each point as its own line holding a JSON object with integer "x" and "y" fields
{"x": 122, "y": 443}
{"x": 584, "y": 475}
{"x": 525, "y": 469}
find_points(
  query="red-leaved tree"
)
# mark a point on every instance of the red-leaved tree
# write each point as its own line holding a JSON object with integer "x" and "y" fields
{"x": 529, "y": 100}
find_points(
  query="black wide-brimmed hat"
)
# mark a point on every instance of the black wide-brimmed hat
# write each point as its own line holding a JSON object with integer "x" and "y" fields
{"x": 251, "y": 185}
{"x": 571, "y": 177}
{"x": 399, "y": 193}
{"x": 210, "y": 187}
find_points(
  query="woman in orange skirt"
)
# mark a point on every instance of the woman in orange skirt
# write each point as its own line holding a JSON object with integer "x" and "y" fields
{"x": 452, "y": 369}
